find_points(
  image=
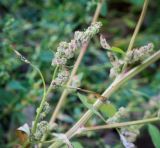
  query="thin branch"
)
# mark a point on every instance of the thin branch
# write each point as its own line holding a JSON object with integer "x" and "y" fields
{"x": 42, "y": 103}
{"x": 118, "y": 125}
{"x": 117, "y": 83}
{"x": 75, "y": 68}
{"x": 141, "y": 18}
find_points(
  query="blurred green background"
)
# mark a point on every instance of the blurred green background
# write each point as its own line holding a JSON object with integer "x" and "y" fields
{"x": 36, "y": 27}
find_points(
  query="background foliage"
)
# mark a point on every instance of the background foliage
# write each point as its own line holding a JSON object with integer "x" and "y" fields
{"x": 36, "y": 27}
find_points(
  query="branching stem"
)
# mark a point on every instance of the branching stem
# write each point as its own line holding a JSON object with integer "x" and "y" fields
{"x": 141, "y": 18}
{"x": 118, "y": 125}
{"x": 75, "y": 68}
{"x": 117, "y": 83}
{"x": 42, "y": 102}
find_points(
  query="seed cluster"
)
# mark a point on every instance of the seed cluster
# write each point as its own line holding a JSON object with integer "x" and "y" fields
{"x": 61, "y": 78}
{"x": 104, "y": 43}
{"x": 45, "y": 110}
{"x": 128, "y": 135}
{"x": 116, "y": 69}
{"x": 122, "y": 112}
{"x": 135, "y": 56}
{"x": 42, "y": 127}
{"x": 66, "y": 50}
{"x": 138, "y": 55}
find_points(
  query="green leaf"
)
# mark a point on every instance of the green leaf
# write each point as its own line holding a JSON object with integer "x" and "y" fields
{"x": 16, "y": 85}
{"x": 155, "y": 135}
{"x": 137, "y": 2}
{"x": 75, "y": 145}
{"x": 104, "y": 9}
{"x": 116, "y": 49}
{"x": 46, "y": 56}
{"x": 139, "y": 93}
{"x": 90, "y": 106}
{"x": 108, "y": 110}
{"x": 129, "y": 22}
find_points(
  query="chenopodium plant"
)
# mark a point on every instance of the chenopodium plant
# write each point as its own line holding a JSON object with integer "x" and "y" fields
{"x": 124, "y": 68}
{"x": 65, "y": 51}
{"x": 132, "y": 58}
{"x": 131, "y": 63}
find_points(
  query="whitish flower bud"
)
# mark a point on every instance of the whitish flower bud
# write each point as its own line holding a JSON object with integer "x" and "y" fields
{"x": 112, "y": 57}
{"x": 78, "y": 37}
{"x": 116, "y": 63}
{"x": 126, "y": 143}
{"x": 140, "y": 54}
{"x": 45, "y": 110}
{"x": 128, "y": 135}
{"x": 66, "y": 50}
{"x": 61, "y": 78}
{"x": 42, "y": 128}
{"x": 113, "y": 73}
{"x": 121, "y": 113}
{"x": 104, "y": 43}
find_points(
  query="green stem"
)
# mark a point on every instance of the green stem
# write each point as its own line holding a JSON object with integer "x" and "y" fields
{"x": 117, "y": 83}
{"x": 75, "y": 68}
{"x": 45, "y": 142}
{"x": 44, "y": 89}
{"x": 53, "y": 77}
{"x": 42, "y": 103}
{"x": 141, "y": 18}
{"x": 118, "y": 125}
{"x": 138, "y": 25}
{"x": 43, "y": 81}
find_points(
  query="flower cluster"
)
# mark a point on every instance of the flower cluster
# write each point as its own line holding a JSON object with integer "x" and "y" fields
{"x": 117, "y": 66}
{"x": 104, "y": 43}
{"x": 116, "y": 63}
{"x": 128, "y": 135}
{"x": 122, "y": 112}
{"x": 45, "y": 110}
{"x": 139, "y": 54}
{"x": 151, "y": 106}
{"x": 66, "y": 50}
{"x": 61, "y": 78}
{"x": 42, "y": 127}
{"x": 134, "y": 56}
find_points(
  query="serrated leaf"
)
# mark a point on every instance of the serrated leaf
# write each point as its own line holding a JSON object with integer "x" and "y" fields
{"x": 90, "y": 106}
{"x": 108, "y": 110}
{"x": 155, "y": 135}
{"x": 116, "y": 49}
